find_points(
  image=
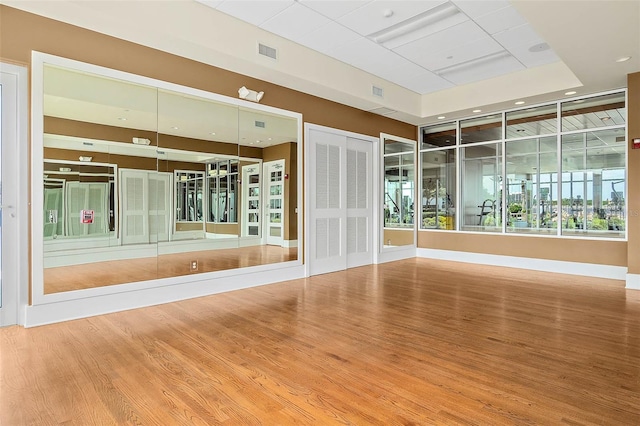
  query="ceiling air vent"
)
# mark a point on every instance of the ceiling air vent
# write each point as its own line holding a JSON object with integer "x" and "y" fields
{"x": 377, "y": 91}
{"x": 267, "y": 51}
{"x": 261, "y": 124}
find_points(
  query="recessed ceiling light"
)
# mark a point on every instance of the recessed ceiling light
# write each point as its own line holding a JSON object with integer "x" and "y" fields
{"x": 520, "y": 103}
{"x": 442, "y": 117}
{"x": 477, "y": 110}
{"x": 270, "y": 139}
{"x": 212, "y": 133}
{"x": 174, "y": 127}
{"x": 387, "y": 13}
{"x": 605, "y": 118}
{"x": 623, "y": 59}
{"x": 258, "y": 141}
{"x": 122, "y": 118}
{"x": 573, "y": 92}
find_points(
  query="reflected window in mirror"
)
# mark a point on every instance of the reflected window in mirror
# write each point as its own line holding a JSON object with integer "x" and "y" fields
{"x": 399, "y": 184}
{"x": 222, "y": 179}
{"x": 189, "y": 195}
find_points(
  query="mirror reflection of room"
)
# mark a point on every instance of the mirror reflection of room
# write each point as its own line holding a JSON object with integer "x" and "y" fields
{"x": 399, "y": 192}
{"x": 143, "y": 183}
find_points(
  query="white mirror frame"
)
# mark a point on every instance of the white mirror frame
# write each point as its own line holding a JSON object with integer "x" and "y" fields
{"x": 47, "y": 308}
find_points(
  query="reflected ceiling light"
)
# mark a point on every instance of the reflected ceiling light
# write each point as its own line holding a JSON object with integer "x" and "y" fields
{"x": 477, "y": 110}
{"x": 250, "y": 95}
{"x": 122, "y": 118}
{"x": 212, "y": 133}
{"x": 520, "y": 103}
{"x": 442, "y": 117}
{"x": 572, "y": 92}
{"x": 174, "y": 127}
{"x": 623, "y": 59}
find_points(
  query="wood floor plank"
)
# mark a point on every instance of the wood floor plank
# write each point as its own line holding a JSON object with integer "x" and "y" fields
{"x": 411, "y": 342}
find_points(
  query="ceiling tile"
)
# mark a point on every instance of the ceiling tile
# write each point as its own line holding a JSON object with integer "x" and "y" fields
{"x": 519, "y": 36}
{"x": 501, "y": 20}
{"x": 534, "y": 59}
{"x": 426, "y": 82}
{"x": 255, "y": 12}
{"x": 483, "y": 70}
{"x": 443, "y": 41}
{"x": 334, "y": 9}
{"x": 210, "y": 3}
{"x": 366, "y": 55}
{"x": 475, "y": 49}
{"x": 294, "y": 22}
{"x": 329, "y": 37}
{"x": 477, "y": 8}
{"x": 370, "y": 18}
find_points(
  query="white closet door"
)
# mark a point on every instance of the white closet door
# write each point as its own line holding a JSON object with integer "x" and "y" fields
{"x": 359, "y": 203}
{"x": 86, "y": 196}
{"x": 135, "y": 206}
{"x": 327, "y": 202}
{"x": 159, "y": 206}
{"x": 340, "y": 202}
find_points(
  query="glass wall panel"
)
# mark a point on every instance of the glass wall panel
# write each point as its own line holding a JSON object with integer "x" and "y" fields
{"x": 439, "y": 136}
{"x": 438, "y": 189}
{"x": 542, "y": 120}
{"x": 482, "y": 187}
{"x": 531, "y": 167}
{"x": 600, "y": 111}
{"x": 399, "y": 191}
{"x": 482, "y": 129}
{"x": 593, "y": 183}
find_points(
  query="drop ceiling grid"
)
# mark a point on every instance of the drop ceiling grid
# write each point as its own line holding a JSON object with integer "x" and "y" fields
{"x": 343, "y": 30}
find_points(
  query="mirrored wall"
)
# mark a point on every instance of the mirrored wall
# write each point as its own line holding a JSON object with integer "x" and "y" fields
{"x": 144, "y": 180}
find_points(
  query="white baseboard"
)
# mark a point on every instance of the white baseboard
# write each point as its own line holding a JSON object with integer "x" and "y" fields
{"x": 544, "y": 265}
{"x": 633, "y": 282}
{"x": 290, "y": 243}
{"x": 391, "y": 254}
{"x": 82, "y": 307}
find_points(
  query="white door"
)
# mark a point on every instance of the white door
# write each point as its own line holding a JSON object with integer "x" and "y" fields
{"x": 274, "y": 202}
{"x": 250, "y": 201}
{"x": 134, "y": 188}
{"x": 340, "y": 201}
{"x": 160, "y": 186}
{"x": 9, "y": 186}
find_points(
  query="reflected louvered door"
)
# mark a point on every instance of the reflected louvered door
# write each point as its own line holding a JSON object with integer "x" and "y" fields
{"x": 159, "y": 206}
{"x": 135, "y": 206}
{"x": 359, "y": 203}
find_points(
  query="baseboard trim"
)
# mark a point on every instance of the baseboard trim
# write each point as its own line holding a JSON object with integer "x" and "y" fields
{"x": 633, "y": 282}
{"x": 544, "y": 265}
{"x": 65, "y": 310}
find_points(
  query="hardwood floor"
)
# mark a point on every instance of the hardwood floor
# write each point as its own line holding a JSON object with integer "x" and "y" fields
{"x": 410, "y": 342}
{"x": 99, "y": 274}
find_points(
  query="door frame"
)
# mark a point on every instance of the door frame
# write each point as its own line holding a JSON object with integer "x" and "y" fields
{"x": 15, "y": 289}
{"x": 375, "y": 201}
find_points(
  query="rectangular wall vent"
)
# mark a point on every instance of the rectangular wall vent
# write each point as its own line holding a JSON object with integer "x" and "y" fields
{"x": 268, "y": 51}
{"x": 377, "y": 91}
{"x": 261, "y": 124}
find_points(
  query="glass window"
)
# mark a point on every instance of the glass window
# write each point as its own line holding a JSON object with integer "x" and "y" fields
{"x": 600, "y": 111}
{"x": 532, "y": 176}
{"x": 542, "y": 120}
{"x": 392, "y": 146}
{"x": 399, "y": 191}
{"x": 483, "y": 129}
{"x": 438, "y": 189}
{"x": 593, "y": 183}
{"x": 439, "y": 136}
{"x": 482, "y": 188}
{"x": 222, "y": 181}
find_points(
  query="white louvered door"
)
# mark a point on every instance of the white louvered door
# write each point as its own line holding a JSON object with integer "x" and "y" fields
{"x": 135, "y": 206}
{"x": 359, "y": 203}
{"x": 340, "y": 202}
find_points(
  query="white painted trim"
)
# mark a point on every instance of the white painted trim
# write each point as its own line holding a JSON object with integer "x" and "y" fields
{"x": 391, "y": 254}
{"x": 290, "y": 243}
{"x": 18, "y": 296}
{"x": 544, "y": 265}
{"x": 65, "y": 310}
{"x": 633, "y": 282}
